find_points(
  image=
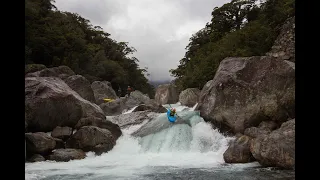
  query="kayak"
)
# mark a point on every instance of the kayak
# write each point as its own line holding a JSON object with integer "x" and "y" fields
{"x": 108, "y": 100}
{"x": 171, "y": 118}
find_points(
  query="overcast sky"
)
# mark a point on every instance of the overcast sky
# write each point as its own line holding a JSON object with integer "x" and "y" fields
{"x": 158, "y": 29}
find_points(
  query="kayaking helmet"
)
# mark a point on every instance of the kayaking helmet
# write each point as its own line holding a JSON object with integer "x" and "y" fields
{"x": 173, "y": 110}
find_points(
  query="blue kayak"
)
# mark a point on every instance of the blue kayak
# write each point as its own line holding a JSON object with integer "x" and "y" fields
{"x": 171, "y": 118}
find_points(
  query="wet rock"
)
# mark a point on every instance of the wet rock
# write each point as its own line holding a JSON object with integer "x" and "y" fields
{"x": 276, "y": 149}
{"x": 101, "y": 123}
{"x": 125, "y": 120}
{"x": 36, "y": 158}
{"x": 39, "y": 143}
{"x": 61, "y": 132}
{"x": 65, "y": 155}
{"x": 239, "y": 151}
{"x": 91, "y": 138}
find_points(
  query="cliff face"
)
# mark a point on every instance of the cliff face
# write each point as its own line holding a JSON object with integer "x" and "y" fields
{"x": 284, "y": 46}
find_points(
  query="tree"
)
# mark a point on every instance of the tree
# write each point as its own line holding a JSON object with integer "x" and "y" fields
{"x": 55, "y": 38}
{"x": 238, "y": 28}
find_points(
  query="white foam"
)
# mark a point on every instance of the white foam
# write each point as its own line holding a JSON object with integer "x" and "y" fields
{"x": 181, "y": 146}
{"x": 129, "y": 111}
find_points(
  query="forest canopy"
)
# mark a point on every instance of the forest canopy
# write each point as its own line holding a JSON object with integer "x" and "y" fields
{"x": 55, "y": 38}
{"x": 240, "y": 28}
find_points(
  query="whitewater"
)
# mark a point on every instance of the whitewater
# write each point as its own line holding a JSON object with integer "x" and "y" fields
{"x": 178, "y": 151}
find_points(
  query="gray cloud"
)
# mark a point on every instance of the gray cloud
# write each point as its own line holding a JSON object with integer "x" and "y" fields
{"x": 158, "y": 29}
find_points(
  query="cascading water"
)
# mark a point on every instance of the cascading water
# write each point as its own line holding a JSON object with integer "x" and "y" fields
{"x": 177, "y": 149}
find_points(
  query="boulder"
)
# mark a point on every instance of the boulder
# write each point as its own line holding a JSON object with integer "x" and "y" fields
{"x": 277, "y": 148}
{"x": 65, "y": 155}
{"x": 91, "y": 138}
{"x": 189, "y": 97}
{"x": 50, "y": 102}
{"x": 39, "y": 143}
{"x": 36, "y": 158}
{"x": 136, "y": 98}
{"x": 101, "y": 123}
{"x": 82, "y": 86}
{"x": 60, "y": 71}
{"x": 284, "y": 45}
{"x": 125, "y": 120}
{"x": 61, "y": 132}
{"x": 248, "y": 90}
{"x": 268, "y": 125}
{"x": 239, "y": 151}
{"x": 102, "y": 90}
{"x": 60, "y": 144}
{"x": 113, "y": 108}
{"x": 166, "y": 94}
{"x": 254, "y": 132}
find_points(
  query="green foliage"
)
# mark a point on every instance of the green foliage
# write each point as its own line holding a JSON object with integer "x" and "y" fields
{"x": 30, "y": 68}
{"x": 55, "y": 38}
{"x": 239, "y": 28}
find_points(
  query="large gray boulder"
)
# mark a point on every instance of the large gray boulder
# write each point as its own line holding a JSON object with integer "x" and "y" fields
{"x": 65, "y": 155}
{"x": 125, "y": 120}
{"x": 62, "y": 133}
{"x": 189, "y": 97}
{"x": 39, "y": 143}
{"x": 101, "y": 123}
{"x": 102, "y": 90}
{"x": 166, "y": 94}
{"x": 248, "y": 90}
{"x": 136, "y": 98}
{"x": 50, "y": 102}
{"x": 113, "y": 108}
{"x": 284, "y": 45}
{"x": 277, "y": 148}
{"x": 82, "y": 86}
{"x": 239, "y": 151}
{"x": 96, "y": 139}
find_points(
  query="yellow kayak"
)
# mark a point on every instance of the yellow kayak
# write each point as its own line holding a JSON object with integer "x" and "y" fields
{"x": 108, "y": 100}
